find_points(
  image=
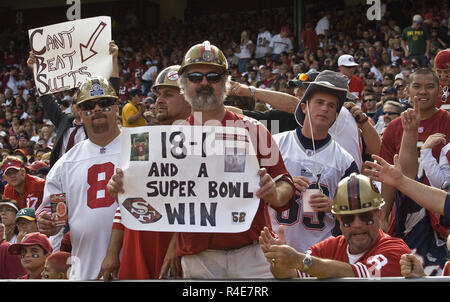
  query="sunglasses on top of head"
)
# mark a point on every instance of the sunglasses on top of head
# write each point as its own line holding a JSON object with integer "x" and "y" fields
{"x": 211, "y": 77}
{"x": 367, "y": 218}
{"x": 103, "y": 103}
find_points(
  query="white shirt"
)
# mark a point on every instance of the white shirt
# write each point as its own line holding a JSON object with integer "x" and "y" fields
{"x": 262, "y": 44}
{"x": 322, "y": 25}
{"x": 345, "y": 131}
{"x": 150, "y": 73}
{"x": 80, "y": 135}
{"x": 245, "y": 51}
{"x": 437, "y": 173}
{"x": 279, "y": 44}
{"x": 83, "y": 173}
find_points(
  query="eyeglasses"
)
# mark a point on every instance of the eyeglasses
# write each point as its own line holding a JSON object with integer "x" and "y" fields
{"x": 367, "y": 218}
{"x": 368, "y": 100}
{"x": 390, "y": 113}
{"x": 211, "y": 77}
{"x": 103, "y": 103}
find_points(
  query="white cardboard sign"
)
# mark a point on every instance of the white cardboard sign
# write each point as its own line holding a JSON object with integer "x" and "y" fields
{"x": 188, "y": 179}
{"x": 69, "y": 52}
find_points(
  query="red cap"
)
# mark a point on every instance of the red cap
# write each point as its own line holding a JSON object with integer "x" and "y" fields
{"x": 31, "y": 239}
{"x": 36, "y": 165}
{"x": 60, "y": 261}
{"x": 442, "y": 59}
{"x": 11, "y": 164}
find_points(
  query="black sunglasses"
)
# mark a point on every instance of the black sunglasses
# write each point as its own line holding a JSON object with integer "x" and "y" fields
{"x": 211, "y": 77}
{"x": 367, "y": 218}
{"x": 368, "y": 100}
{"x": 90, "y": 105}
{"x": 390, "y": 113}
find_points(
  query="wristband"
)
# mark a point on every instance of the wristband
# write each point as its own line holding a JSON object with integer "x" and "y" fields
{"x": 363, "y": 119}
{"x": 306, "y": 263}
{"x": 252, "y": 91}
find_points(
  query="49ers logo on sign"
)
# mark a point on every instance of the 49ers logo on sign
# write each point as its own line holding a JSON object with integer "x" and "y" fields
{"x": 141, "y": 210}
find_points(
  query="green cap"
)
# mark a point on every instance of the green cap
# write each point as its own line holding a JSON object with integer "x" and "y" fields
{"x": 27, "y": 213}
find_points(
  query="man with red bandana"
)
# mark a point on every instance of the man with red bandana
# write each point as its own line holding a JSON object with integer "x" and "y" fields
{"x": 442, "y": 69}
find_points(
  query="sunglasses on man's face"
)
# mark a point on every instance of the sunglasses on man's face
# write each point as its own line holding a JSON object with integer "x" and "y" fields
{"x": 90, "y": 105}
{"x": 367, "y": 218}
{"x": 390, "y": 113}
{"x": 211, "y": 77}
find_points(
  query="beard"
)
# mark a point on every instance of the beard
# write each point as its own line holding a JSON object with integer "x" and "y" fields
{"x": 205, "y": 100}
{"x": 162, "y": 116}
{"x": 99, "y": 126}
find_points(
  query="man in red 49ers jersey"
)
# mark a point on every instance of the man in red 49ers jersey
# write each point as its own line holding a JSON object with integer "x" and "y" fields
{"x": 363, "y": 250}
{"x": 82, "y": 174}
{"x": 25, "y": 189}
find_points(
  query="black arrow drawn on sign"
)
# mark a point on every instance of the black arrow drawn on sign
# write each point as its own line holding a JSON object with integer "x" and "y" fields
{"x": 86, "y": 49}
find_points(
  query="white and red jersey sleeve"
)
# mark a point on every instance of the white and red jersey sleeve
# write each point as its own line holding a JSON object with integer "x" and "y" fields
{"x": 382, "y": 260}
{"x": 117, "y": 221}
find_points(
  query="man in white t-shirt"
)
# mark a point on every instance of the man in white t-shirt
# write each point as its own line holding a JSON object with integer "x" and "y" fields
{"x": 323, "y": 25}
{"x": 82, "y": 174}
{"x": 279, "y": 43}
{"x": 315, "y": 161}
{"x": 262, "y": 44}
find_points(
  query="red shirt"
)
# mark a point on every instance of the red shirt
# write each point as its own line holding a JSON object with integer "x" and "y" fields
{"x": 446, "y": 271}
{"x": 193, "y": 243}
{"x": 27, "y": 276}
{"x": 382, "y": 260}
{"x": 33, "y": 192}
{"x": 392, "y": 138}
{"x": 143, "y": 252}
{"x": 10, "y": 265}
{"x": 356, "y": 86}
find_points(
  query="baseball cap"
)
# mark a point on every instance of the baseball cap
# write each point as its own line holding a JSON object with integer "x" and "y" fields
{"x": 390, "y": 90}
{"x": 328, "y": 81}
{"x": 7, "y": 202}
{"x": 11, "y": 164}
{"x": 36, "y": 165}
{"x": 303, "y": 79}
{"x": 134, "y": 92}
{"x": 442, "y": 59}
{"x": 417, "y": 18}
{"x": 27, "y": 213}
{"x": 399, "y": 76}
{"x": 31, "y": 239}
{"x": 347, "y": 61}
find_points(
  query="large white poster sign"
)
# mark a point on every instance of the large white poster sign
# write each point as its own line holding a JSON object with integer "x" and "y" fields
{"x": 188, "y": 179}
{"x": 67, "y": 53}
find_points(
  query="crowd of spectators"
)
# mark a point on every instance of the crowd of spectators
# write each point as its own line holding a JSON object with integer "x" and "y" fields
{"x": 262, "y": 50}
